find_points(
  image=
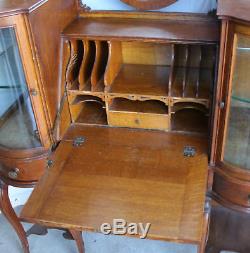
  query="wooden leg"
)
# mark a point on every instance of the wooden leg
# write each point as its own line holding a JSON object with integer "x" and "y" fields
{"x": 77, "y": 235}
{"x": 9, "y": 213}
{"x": 207, "y": 211}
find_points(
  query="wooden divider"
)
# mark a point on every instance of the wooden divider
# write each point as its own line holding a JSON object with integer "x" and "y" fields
{"x": 114, "y": 62}
{"x": 76, "y": 55}
{"x": 101, "y": 58}
{"x": 87, "y": 65}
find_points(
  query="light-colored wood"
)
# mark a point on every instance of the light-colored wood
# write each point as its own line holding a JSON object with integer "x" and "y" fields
{"x": 150, "y": 114}
{"x": 114, "y": 62}
{"x": 87, "y": 65}
{"x": 101, "y": 58}
{"x": 142, "y": 30}
{"x": 8, "y": 8}
{"x": 87, "y": 109}
{"x": 139, "y": 180}
{"x": 146, "y": 53}
{"x": 142, "y": 79}
{"x": 74, "y": 65}
{"x": 138, "y": 120}
{"x": 61, "y": 126}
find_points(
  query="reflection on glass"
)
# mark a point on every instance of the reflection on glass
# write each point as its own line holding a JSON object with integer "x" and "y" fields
{"x": 18, "y": 128}
{"x": 237, "y": 149}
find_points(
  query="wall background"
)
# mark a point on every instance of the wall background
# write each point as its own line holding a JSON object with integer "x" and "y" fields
{"x": 19, "y": 196}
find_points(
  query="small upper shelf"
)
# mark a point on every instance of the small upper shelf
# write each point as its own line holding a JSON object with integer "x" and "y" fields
{"x": 113, "y": 28}
{"x": 142, "y": 80}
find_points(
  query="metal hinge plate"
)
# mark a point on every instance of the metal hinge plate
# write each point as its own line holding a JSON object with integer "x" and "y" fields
{"x": 189, "y": 151}
{"x": 78, "y": 141}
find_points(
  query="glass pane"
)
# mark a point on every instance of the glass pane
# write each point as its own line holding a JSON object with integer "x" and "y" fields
{"x": 237, "y": 149}
{"x": 18, "y": 128}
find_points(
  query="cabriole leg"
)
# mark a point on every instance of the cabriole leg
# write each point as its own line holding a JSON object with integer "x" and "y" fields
{"x": 77, "y": 235}
{"x": 9, "y": 213}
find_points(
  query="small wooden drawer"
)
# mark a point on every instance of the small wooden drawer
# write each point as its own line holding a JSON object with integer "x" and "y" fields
{"x": 151, "y": 114}
{"x": 139, "y": 120}
{"x": 233, "y": 190}
{"x": 26, "y": 170}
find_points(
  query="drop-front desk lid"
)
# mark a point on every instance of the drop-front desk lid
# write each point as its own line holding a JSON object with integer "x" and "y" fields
{"x": 117, "y": 173}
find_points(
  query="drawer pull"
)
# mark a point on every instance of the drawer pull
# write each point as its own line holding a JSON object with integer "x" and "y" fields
{"x": 137, "y": 121}
{"x": 13, "y": 174}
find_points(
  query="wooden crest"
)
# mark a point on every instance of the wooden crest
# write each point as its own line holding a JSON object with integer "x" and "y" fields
{"x": 149, "y": 4}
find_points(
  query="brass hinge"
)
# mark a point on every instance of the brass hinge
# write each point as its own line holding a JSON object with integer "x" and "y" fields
{"x": 78, "y": 141}
{"x": 189, "y": 151}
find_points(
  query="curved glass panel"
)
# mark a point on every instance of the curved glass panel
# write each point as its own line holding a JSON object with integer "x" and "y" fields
{"x": 18, "y": 128}
{"x": 237, "y": 148}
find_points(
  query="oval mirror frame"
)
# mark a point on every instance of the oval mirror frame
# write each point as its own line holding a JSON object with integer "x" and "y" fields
{"x": 149, "y": 4}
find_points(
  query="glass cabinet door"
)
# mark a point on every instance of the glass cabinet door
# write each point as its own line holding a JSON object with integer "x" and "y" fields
{"x": 18, "y": 129}
{"x": 237, "y": 145}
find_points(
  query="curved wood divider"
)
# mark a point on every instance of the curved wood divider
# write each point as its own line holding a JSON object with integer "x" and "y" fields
{"x": 87, "y": 65}
{"x": 114, "y": 62}
{"x": 97, "y": 75}
{"x": 72, "y": 73}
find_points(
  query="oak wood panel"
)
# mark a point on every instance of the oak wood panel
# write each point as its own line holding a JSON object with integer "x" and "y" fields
{"x": 124, "y": 176}
{"x": 146, "y": 53}
{"x": 99, "y": 68}
{"x": 142, "y": 79}
{"x": 87, "y": 65}
{"x": 63, "y": 119}
{"x": 47, "y": 43}
{"x": 8, "y": 7}
{"x": 29, "y": 169}
{"x": 114, "y": 62}
{"x": 147, "y": 30}
{"x": 139, "y": 120}
{"x": 234, "y": 9}
{"x": 190, "y": 121}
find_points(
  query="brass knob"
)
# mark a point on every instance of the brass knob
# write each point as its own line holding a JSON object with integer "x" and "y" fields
{"x": 13, "y": 174}
{"x": 137, "y": 122}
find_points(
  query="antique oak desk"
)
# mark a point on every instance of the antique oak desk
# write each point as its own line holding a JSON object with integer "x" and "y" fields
{"x": 134, "y": 96}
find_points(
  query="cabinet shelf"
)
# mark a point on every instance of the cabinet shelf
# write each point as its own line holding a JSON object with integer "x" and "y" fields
{"x": 144, "y": 30}
{"x": 192, "y": 83}
{"x": 125, "y": 105}
{"x": 87, "y": 109}
{"x": 92, "y": 113}
{"x": 189, "y": 120}
{"x": 142, "y": 80}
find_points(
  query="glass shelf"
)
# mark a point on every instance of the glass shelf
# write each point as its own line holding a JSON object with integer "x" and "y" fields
{"x": 241, "y": 99}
